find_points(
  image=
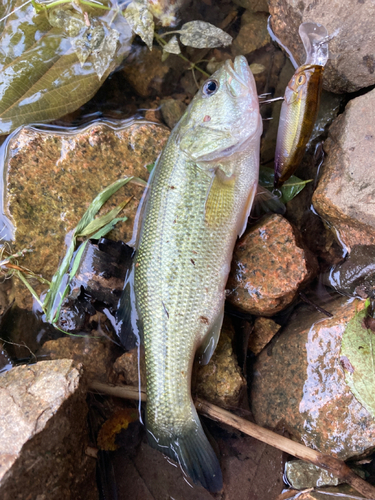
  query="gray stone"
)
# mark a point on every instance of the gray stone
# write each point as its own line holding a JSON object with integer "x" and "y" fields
{"x": 352, "y": 61}
{"x": 43, "y": 434}
{"x": 346, "y": 190}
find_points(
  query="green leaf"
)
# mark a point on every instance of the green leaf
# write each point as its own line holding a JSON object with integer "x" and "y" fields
{"x": 41, "y": 78}
{"x": 358, "y": 359}
{"x": 289, "y": 189}
{"x": 150, "y": 167}
{"x": 86, "y": 226}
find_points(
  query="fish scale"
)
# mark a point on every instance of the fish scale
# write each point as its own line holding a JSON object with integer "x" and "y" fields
{"x": 198, "y": 201}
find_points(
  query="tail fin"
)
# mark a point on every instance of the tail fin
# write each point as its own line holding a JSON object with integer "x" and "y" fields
{"x": 193, "y": 452}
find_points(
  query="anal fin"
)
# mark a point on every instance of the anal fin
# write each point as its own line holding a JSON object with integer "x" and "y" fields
{"x": 209, "y": 343}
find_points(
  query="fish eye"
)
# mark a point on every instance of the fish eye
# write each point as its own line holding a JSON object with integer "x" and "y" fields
{"x": 210, "y": 87}
{"x": 301, "y": 79}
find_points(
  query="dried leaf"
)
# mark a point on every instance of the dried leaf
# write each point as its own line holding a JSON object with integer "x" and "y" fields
{"x": 202, "y": 35}
{"x": 141, "y": 21}
{"x": 172, "y": 46}
{"x": 358, "y": 359}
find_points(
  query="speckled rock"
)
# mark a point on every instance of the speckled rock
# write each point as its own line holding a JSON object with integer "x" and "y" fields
{"x": 302, "y": 384}
{"x": 268, "y": 268}
{"x": 345, "y": 193}
{"x": 351, "y": 65}
{"x": 52, "y": 178}
{"x": 43, "y": 434}
{"x": 253, "y": 33}
{"x": 220, "y": 381}
{"x": 263, "y": 331}
{"x": 95, "y": 355}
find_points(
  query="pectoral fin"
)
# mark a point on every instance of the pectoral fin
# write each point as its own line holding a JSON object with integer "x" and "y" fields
{"x": 210, "y": 341}
{"x": 220, "y": 199}
{"x": 242, "y": 223}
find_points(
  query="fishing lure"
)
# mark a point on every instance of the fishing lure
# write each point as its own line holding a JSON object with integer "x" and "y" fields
{"x": 301, "y": 102}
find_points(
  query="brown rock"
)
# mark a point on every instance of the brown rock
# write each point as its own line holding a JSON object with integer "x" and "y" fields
{"x": 302, "y": 384}
{"x": 221, "y": 381}
{"x": 126, "y": 367}
{"x": 148, "y": 75}
{"x": 44, "y": 434}
{"x": 351, "y": 65}
{"x": 345, "y": 193}
{"x": 96, "y": 355}
{"x": 263, "y": 331}
{"x": 268, "y": 268}
{"x": 253, "y": 33}
{"x": 53, "y": 177}
{"x": 253, "y": 5}
{"x": 172, "y": 110}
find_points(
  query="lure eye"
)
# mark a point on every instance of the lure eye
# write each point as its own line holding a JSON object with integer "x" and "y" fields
{"x": 210, "y": 87}
{"x": 301, "y": 79}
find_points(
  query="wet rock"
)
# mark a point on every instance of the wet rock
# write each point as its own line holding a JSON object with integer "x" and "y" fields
{"x": 356, "y": 276}
{"x": 345, "y": 192}
{"x": 301, "y": 384}
{"x": 263, "y": 331}
{"x": 302, "y": 475}
{"x": 126, "y": 368}
{"x": 220, "y": 381}
{"x": 149, "y": 75}
{"x": 351, "y": 65}
{"x": 253, "y": 33}
{"x": 52, "y": 178}
{"x": 172, "y": 110}
{"x": 95, "y": 355}
{"x": 44, "y": 434}
{"x": 268, "y": 268}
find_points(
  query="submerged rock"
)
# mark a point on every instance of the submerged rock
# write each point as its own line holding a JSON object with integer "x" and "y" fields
{"x": 268, "y": 268}
{"x": 220, "y": 381}
{"x": 95, "y": 355}
{"x": 253, "y": 33}
{"x": 44, "y": 434}
{"x": 262, "y": 333}
{"x": 302, "y": 384}
{"x": 302, "y": 475}
{"x": 52, "y": 177}
{"x": 345, "y": 192}
{"x": 351, "y": 65}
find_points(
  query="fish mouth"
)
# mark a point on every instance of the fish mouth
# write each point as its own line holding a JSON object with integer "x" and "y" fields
{"x": 239, "y": 71}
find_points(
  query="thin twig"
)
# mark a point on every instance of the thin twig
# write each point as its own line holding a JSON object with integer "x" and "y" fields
{"x": 333, "y": 465}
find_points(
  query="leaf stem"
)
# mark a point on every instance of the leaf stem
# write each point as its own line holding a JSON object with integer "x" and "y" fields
{"x": 162, "y": 42}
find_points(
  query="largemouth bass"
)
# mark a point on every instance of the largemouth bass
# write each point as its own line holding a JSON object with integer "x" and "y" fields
{"x": 301, "y": 102}
{"x": 198, "y": 202}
